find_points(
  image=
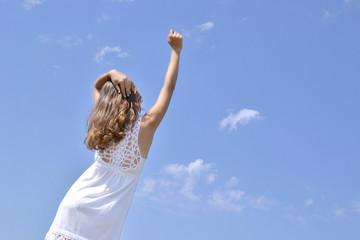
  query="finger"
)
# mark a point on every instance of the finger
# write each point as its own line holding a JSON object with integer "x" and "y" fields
{"x": 127, "y": 88}
{"x": 122, "y": 89}
{"x": 178, "y": 34}
{"x": 171, "y": 31}
{"x": 117, "y": 88}
{"x": 134, "y": 88}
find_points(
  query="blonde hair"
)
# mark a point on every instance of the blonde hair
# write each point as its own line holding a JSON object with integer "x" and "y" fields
{"x": 109, "y": 118}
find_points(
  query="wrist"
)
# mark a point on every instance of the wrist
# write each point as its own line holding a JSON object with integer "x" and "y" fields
{"x": 176, "y": 52}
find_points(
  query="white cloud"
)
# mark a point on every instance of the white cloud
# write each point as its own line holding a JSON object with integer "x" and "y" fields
{"x": 29, "y": 4}
{"x": 228, "y": 200}
{"x": 236, "y": 200}
{"x": 185, "y": 33}
{"x": 104, "y": 17}
{"x": 296, "y": 218}
{"x": 309, "y": 202}
{"x": 356, "y": 206}
{"x": 210, "y": 178}
{"x": 196, "y": 32}
{"x": 192, "y": 186}
{"x": 347, "y": 5}
{"x": 241, "y": 20}
{"x": 69, "y": 41}
{"x": 338, "y": 211}
{"x": 205, "y": 26}
{"x": 64, "y": 41}
{"x": 44, "y": 38}
{"x": 352, "y": 3}
{"x": 327, "y": 14}
{"x": 99, "y": 56}
{"x": 189, "y": 175}
{"x": 243, "y": 117}
{"x": 56, "y": 69}
{"x": 149, "y": 185}
{"x": 260, "y": 202}
{"x": 233, "y": 181}
{"x": 200, "y": 39}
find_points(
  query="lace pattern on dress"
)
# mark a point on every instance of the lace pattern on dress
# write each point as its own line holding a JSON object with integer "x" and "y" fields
{"x": 126, "y": 154}
{"x": 56, "y": 236}
{"x": 61, "y": 234}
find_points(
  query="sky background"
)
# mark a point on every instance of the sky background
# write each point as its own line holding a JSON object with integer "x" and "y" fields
{"x": 261, "y": 139}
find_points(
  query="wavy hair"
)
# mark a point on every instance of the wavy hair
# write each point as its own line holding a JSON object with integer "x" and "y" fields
{"x": 108, "y": 120}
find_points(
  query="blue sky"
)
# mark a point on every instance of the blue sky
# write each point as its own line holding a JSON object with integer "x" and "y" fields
{"x": 261, "y": 139}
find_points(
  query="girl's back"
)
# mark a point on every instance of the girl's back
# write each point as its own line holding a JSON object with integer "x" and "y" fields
{"x": 96, "y": 205}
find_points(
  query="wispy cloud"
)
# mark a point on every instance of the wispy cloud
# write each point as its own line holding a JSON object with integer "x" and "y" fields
{"x": 55, "y": 69}
{"x": 338, "y": 211}
{"x": 327, "y": 14}
{"x": 197, "y": 32}
{"x": 29, "y": 4}
{"x": 205, "y": 26}
{"x": 188, "y": 176}
{"x": 193, "y": 186}
{"x": 44, "y": 38}
{"x": 295, "y": 218}
{"x": 99, "y": 56}
{"x": 228, "y": 200}
{"x": 356, "y": 206}
{"x": 347, "y": 5}
{"x": 309, "y": 202}
{"x": 243, "y": 19}
{"x": 64, "y": 41}
{"x": 210, "y": 178}
{"x": 104, "y": 17}
{"x": 243, "y": 117}
{"x": 260, "y": 202}
{"x": 233, "y": 181}
{"x": 69, "y": 41}
{"x": 352, "y": 3}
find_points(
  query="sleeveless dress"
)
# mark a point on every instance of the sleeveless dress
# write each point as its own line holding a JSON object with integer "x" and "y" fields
{"x": 96, "y": 205}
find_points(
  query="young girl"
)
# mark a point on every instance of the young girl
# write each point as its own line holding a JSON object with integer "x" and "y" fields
{"x": 96, "y": 205}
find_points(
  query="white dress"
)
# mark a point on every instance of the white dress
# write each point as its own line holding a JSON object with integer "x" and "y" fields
{"x": 96, "y": 205}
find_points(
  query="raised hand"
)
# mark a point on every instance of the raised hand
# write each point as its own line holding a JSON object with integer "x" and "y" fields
{"x": 175, "y": 40}
{"x": 122, "y": 83}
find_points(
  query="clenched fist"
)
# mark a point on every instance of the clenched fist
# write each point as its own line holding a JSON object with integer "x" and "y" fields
{"x": 175, "y": 40}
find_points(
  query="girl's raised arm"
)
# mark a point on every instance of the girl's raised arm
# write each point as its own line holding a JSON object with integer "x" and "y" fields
{"x": 155, "y": 115}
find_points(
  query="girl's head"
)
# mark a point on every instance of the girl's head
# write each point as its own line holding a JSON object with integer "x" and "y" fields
{"x": 110, "y": 116}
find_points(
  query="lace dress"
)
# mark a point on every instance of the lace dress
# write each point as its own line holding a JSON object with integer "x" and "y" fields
{"x": 96, "y": 205}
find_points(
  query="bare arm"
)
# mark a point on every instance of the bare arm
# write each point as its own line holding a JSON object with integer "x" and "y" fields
{"x": 120, "y": 81}
{"x": 157, "y": 112}
{"x": 100, "y": 81}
